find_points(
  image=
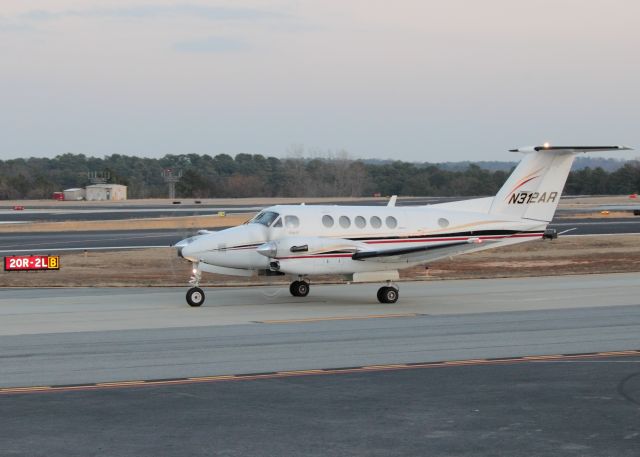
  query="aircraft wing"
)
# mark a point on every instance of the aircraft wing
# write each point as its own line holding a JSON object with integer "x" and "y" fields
{"x": 419, "y": 253}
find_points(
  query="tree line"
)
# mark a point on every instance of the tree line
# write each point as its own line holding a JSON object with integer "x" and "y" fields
{"x": 253, "y": 175}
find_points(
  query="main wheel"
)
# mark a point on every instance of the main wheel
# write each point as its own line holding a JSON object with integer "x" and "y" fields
{"x": 299, "y": 288}
{"x": 388, "y": 295}
{"x": 195, "y": 296}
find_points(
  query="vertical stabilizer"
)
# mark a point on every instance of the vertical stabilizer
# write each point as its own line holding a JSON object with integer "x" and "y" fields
{"x": 533, "y": 190}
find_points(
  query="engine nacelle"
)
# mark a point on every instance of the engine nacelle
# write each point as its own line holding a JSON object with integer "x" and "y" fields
{"x": 300, "y": 245}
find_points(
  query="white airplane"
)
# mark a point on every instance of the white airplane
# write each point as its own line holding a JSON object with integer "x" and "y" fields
{"x": 371, "y": 243}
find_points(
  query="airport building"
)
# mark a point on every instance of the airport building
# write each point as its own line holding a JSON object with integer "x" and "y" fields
{"x": 76, "y": 193}
{"x": 97, "y": 192}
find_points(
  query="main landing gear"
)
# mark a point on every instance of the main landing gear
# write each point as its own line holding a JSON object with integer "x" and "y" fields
{"x": 388, "y": 294}
{"x": 299, "y": 288}
{"x": 195, "y": 295}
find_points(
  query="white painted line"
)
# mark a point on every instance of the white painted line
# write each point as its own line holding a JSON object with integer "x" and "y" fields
{"x": 103, "y": 248}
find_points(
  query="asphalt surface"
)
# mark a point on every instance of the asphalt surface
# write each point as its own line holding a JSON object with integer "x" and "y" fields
{"x": 115, "y": 211}
{"x": 586, "y": 408}
{"x": 63, "y": 336}
{"x": 575, "y": 406}
{"x": 49, "y": 242}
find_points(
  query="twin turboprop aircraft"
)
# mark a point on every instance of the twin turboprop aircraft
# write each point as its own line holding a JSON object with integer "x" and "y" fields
{"x": 372, "y": 243}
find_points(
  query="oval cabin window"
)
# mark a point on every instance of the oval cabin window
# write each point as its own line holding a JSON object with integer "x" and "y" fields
{"x": 327, "y": 221}
{"x": 360, "y": 222}
{"x": 291, "y": 222}
{"x": 375, "y": 222}
{"x": 345, "y": 222}
{"x": 391, "y": 222}
{"x": 442, "y": 222}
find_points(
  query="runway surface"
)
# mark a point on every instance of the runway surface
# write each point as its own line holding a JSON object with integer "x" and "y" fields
{"x": 84, "y": 211}
{"x": 113, "y": 211}
{"x": 15, "y": 243}
{"x": 120, "y": 338}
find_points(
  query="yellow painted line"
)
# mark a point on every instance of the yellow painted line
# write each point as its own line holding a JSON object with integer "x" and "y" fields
{"x": 210, "y": 378}
{"x": 544, "y": 357}
{"x": 336, "y": 318}
{"x": 167, "y": 382}
{"x": 297, "y": 372}
{"x": 119, "y": 383}
{"x": 26, "y": 389}
{"x": 469, "y": 362}
{"x": 293, "y": 373}
{"x": 618, "y": 353}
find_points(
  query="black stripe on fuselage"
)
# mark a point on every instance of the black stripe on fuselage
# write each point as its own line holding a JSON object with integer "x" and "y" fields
{"x": 419, "y": 237}
{"x": 448, "y": 235}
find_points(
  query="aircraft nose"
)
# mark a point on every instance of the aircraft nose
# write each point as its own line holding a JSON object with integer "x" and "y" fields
{"x": 184, "y": 247}
{"x": 268, "y": 249}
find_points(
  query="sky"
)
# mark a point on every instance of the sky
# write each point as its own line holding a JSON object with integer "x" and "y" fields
{"x": 414, "y": 80}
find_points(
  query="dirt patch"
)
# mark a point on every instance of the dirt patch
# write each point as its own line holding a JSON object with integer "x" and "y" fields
{"x": 597, "y": 215}
{"x": 162, "y": 267}
{"x": 566, "y": 255}
{"x": 185, "y": 222}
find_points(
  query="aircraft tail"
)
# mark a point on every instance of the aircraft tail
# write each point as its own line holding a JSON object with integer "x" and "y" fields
{"x": 533, "y": 189}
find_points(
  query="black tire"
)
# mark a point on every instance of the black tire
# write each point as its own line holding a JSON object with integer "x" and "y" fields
{"x": 299, "y": 288}
{"x": 195, "y": 297}
{"x": 388, "y": 295}
{"x": 303, "y": 288}
{"x": 293, "y": 288}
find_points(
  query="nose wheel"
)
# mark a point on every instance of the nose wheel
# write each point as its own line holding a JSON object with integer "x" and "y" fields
{"x": 299, "y": 288}
{"x": 388, "y": 294}
{"x": 195, "y": 297}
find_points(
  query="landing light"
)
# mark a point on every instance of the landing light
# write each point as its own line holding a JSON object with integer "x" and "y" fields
{"x": 546, "y": 145}
{"x": 195, "y": 270}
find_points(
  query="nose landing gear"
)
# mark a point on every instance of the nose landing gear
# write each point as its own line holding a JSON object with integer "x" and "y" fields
{"x": 195, "y": 295}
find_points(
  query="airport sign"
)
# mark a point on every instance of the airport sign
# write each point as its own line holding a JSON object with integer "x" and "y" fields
{"x": 31, "y": 262}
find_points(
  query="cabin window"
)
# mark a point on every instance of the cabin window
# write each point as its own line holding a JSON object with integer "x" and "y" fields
{"x": 360, "y": 222}
{"x": 291, "y": 222}
{"x": 327, "y": 221}
{"x": 375, "y": 222}
{"x": 265, "y": 218}
{"x": 345, "y": 222}
{"x": 442, "y": 222}
{"x": 391, "y": 222}
{"x": 278, "y": 223}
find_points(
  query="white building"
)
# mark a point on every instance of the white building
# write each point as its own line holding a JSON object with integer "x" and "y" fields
{"x": 74, "y": 194}
{"x": 106, "y": 192}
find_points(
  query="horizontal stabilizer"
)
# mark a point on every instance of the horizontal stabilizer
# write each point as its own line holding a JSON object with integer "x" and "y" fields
{"x": 550, "y": 148}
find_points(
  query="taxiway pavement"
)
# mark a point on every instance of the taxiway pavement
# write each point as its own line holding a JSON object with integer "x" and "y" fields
{"x": 64, "y": 336}
{"x": 121, "y": 363}
{"x": 545, "y": 408}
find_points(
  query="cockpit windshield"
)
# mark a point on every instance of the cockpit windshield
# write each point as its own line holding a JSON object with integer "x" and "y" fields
{"x": 265, "y": 218}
